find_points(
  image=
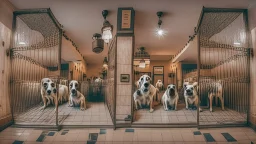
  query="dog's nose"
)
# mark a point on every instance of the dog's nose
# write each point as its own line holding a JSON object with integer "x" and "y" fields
{"x": 146, "y": 84}
{"x": 73, "y": 90}
{"x": 49, "y": 91}
{"x": 188, "y": 90}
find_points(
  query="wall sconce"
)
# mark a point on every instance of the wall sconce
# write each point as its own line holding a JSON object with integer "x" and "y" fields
{"x": 160, "y": 32}
{"x": 98, "y": 43}
{"x": 105, "y": 62}
{"x": 107, "y": 28}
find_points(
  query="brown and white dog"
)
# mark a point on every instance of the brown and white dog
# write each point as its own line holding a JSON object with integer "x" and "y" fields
{"x": 216, "y": 90}
{"x": 76, "y": 98}
{"x": 147, "y": 90}
{"x": 49, "y": 92}
{"x": 47, "y": 99}
{"x": 191, "y": 95}
{"x": 170, "y": 97}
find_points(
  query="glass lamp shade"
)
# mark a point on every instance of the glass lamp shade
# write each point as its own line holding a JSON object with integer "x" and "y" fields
{"x": 107, "y": 34}
{"x": 142, "y": 64}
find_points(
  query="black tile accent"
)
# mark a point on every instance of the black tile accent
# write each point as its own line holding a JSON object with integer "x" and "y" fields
{"x": 228, "y": 137}
{"x": 91, "y": 142}
{"x": 51, "y": 134}
{"x": 197, "y": 133}
{"x": 93, "y": 136}
{"x": 18, "y": 142}
{"x": 42, "y": 136}
{"x": 129, "y": 130}
{"x": 103, "y": 131}
{"x": 209, "y": 137}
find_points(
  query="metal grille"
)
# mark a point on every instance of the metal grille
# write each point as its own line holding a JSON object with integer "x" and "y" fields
{"x": 35, "y": 54}
{"x": 110, "y": 91}
{"x": 224, "y": 61}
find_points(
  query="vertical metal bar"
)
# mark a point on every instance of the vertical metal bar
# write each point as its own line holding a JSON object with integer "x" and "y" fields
{"x": 198, "y": 74}
{"x": 115, "y": 82}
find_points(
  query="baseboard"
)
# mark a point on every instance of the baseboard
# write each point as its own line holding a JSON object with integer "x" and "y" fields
{"x": 2, "y": 127}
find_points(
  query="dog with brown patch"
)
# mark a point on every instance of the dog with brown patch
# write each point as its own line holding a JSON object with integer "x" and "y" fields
{"x": 76, "y": 98}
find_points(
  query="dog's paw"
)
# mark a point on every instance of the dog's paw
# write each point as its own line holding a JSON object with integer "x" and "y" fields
{"x": 82, "y": 109}
{"x": 43, "y": 108}
{"x": 151, "y": 110}
{"x": 210, "y": 109}
{"x": 175, "y": 109}
{"x": 186, "y": 108}
{"x": 200, "y": 110}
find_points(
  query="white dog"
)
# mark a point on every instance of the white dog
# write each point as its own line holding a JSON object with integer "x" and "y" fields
{"x": 147, "y": 90}
{"x": 191, "y": 95}
{"x": 138, "y": 99}
{"x": 76, "y": 98}
{"x": 47, "y": 99}
{"x": 216, "y": 90}
{"x": 170, "y": 97}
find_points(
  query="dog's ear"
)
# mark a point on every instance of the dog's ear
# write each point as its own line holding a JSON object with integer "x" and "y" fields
{"x": 195, "y": 84}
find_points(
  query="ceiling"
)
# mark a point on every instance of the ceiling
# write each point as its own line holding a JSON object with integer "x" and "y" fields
{"x": 82, "y": 18}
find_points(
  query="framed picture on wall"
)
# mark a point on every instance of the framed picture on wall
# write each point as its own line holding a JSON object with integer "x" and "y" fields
{"x": 125, "y": 78}
{"x": 158, "y": 70}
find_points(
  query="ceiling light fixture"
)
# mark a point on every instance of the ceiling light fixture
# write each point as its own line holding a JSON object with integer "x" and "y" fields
{"x": 22, "y": 43}
{"x": 98, "y": 43}
{"x": 141, "y": 58}
{"x": 107, "y": 28}
{"x": 237, "y": 43}
{"x": 160, "y": 32}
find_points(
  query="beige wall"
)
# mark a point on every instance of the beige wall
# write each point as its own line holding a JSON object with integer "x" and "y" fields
{"x": 6, "y": 10}
{"x": 252, "y": 25}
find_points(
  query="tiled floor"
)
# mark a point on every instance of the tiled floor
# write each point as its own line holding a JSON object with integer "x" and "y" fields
{"x": 95, "y": 114}
{"x": 129, "y": 136}
{"x": 188, "y": 116}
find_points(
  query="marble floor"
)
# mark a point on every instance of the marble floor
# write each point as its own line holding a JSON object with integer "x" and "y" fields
{"x": 96, "y": 114}
{"x": 239, "y": 135}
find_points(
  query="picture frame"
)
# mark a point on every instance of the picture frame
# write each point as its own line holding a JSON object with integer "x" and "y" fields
{"x": 125, "y": 78}
{"x": 158, "y": 70}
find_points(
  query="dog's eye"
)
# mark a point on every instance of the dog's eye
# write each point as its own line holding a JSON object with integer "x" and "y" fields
{"x": 169, "y": 87}
{"x": 70, "y": 85}
{"x": 52, "y": 84}
{"x": 76, "y": 85}
{"x": 141, "y": 79}
{"x": 191, "y": 88}
{"x": 147, "y": 78}
{"x": 45, "y": 84}
{"x": 173, "y": 86}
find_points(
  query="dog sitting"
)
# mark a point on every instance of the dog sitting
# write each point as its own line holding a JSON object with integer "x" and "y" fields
{"x": 170, "y": 97}
{"x": 138, "y": 99}
{"x": 215, "y": 90}
{"x": 47, "y": 99}
{"x": 147, "y": 90}
{"x": 191, "y": 95}
{"x": 76, "y": 98}
{"x": 52, "y": 92}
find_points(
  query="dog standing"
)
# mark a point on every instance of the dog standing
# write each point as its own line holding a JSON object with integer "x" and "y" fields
{"x": 215, "y": 90}
{"x": 170, "y": 97}
{"x": 76, "y": 98}
{"x": 147, "y": 90}
{"x": 191, "y": 95}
